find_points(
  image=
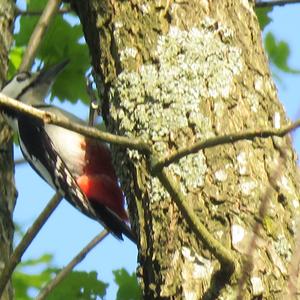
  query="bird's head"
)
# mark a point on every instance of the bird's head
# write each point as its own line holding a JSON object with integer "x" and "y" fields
{"x": 32, "y": 88}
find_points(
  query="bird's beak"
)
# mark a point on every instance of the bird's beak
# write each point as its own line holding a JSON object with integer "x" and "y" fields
{"x": 41, "y": 84}
{"x": 49, "y": 75}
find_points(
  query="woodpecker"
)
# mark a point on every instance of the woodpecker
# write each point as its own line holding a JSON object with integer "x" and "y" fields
{"x": 79, "y": 168}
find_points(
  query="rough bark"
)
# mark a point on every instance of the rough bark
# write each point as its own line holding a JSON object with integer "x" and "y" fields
{"x": 7, "y": 187}
{"x": 174, "y": 73}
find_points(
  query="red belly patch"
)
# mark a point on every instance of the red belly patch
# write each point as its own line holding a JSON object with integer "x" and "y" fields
{"x": 103, "y": 190}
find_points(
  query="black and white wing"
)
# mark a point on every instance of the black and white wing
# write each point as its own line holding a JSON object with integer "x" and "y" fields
{"x": 41, "y": 154}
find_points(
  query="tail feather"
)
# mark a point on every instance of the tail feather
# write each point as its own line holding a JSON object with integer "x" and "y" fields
{"x": 113, "y": 222}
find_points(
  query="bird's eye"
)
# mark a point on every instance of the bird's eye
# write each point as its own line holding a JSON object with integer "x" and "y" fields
{"x": 22, "y": 76}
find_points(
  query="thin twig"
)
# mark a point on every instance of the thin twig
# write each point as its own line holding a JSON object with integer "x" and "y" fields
{"x": 31, "y": 13}
{"x": 261, "y": 3}
{"x": 157, "y": 165}
{"x": 293, "y": 272}
{"x": 248, "y": 265}
{"x": 265, "y": 200}
{"x": 51, "y": 118}
{"x": 19, "y": 161}
{"x": 34, "y": 42}
{"x": 26, "y": 241}
{"x": 225, "y": 256}
{"x": 38, "y": 33}
{"x": 221, "y": 140}
{"x": 70, "y": 266}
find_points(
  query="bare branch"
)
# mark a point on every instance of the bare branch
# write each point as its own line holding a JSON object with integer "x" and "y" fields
{"x": 70, "y": 266}
{"x": 31, "y": 13}
{"x": 293, "y": 272}
{"x": 261, "y": 3}
{"x": 92, "y": 132}
{"x": 37, "y": 35}
{"x": 221, "y": 140}
{"x": 26, "y": 240}
{"x": 225, "y": 256}
{"x": 249, "y": 256}
{"x": 157, "y": 165}
{"x": 34, "y": 42}
{"x": 19, "y": 161}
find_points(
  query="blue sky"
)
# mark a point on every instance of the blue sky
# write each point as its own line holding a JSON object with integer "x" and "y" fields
{"x": 67, "y": 231}
{"x": 285, "y": 27}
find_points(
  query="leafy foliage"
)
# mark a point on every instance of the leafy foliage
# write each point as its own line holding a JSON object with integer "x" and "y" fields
{"x": 263, "y": 17}
{"x": 23, "y": 282}
{"x": 15, "y": 59}
{"x": 79, "y": 285}
{"x": 61, "y": 41}
{"x": 128, "y": 285}
{"x": 279, "y": 52}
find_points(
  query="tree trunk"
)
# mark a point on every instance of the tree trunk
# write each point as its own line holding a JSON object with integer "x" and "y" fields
{"x": 174, "y": 73}
{"x": 7, "y": 187}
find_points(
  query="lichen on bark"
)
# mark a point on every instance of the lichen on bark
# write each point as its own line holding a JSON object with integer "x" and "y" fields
{"x": 165, "y": 102}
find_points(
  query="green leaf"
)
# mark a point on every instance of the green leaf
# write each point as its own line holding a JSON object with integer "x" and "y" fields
{"x": 33, "y": 280}
{"x": 15, "y": 59}
{"x": 128, "y": 285}
{"x": 23, "y": 282}
{"x": 79, "y": 285}
{"x": 44, "y": 259}
{"x": 60, "y": 42}
{"x": 262, "y": 15}
{"x": 278, "y": 52}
